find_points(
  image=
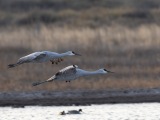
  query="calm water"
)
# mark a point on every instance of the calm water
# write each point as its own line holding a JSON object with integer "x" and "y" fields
{"x": 142, "y": 111}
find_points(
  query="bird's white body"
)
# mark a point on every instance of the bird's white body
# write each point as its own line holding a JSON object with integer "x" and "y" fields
{"x": 71, "y": 73}
{"x": 44, "y": 56}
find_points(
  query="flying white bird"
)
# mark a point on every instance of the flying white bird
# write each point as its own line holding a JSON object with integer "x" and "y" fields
{"x": 71, "y": 73}
{"x": 44, "y": 56}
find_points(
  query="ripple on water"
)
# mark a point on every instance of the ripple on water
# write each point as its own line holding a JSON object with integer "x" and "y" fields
{"x": 145, "y": 111}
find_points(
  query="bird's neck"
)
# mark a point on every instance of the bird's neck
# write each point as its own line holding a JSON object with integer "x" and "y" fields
{"x": 88, "y": 73}
{"x": 54, "y": 55}
{"x": 63, "y": 54}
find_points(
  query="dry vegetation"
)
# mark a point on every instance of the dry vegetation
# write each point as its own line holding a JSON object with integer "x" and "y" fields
{"x": 132, "y": 53}
{"x": 92, "y": 13}
{"x": 130, "y": 49}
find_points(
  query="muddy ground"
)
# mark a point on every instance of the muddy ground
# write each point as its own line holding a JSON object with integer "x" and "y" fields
{"x": 79, "y": 97}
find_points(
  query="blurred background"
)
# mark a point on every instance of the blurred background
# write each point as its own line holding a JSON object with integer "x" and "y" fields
{"x": 120, "y": 35}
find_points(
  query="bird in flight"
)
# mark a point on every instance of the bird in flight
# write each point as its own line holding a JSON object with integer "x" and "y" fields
{"x": 72, "y": 72}
{"x": 44, "y": 56}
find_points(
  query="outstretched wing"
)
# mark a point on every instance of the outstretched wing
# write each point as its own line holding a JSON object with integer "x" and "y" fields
{"x": 36, "y": 56}
{"x": 40, "y": 56}
{"x": 65, "y": 73}
{"x": 31, "y": 57}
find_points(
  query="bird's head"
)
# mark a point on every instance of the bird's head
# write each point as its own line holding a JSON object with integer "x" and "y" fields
{"x": 62, "y": 113}
{"x": 80, "y": 110}
{"x": 71, "y": 53}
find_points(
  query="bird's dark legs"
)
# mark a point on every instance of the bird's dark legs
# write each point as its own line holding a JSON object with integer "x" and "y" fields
{"x": 52, "y": 61}
{"x": 56, "y": 61}
{"x": 61, "y": 59}
{"x": 68, "y": 81}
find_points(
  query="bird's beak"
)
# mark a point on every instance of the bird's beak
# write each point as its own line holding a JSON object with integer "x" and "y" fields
{"x": 109, "y": 71}
{"x": 77, "y": 54}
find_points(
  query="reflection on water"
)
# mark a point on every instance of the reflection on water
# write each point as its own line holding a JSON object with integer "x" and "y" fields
{"x": 142, "y": 111}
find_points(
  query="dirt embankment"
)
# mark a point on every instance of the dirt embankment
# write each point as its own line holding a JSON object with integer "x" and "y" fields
{"x": 83, "y": 97}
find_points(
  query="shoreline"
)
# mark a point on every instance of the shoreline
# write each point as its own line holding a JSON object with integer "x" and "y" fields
{"x": 78, "y": 97}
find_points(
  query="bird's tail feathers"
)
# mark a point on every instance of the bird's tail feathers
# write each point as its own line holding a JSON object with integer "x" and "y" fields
{"x": 38, "y": 83}
{"x": 12, "y": 65}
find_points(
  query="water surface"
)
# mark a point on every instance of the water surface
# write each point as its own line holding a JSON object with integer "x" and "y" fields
{"x": 141, "y": 111}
